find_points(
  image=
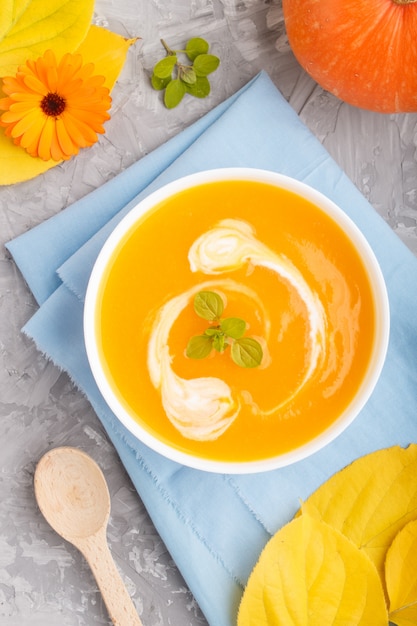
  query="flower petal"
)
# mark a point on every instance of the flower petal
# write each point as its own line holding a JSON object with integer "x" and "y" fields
{"x": 30, "y": 139}
{"x": 11, "y": 84}
{"x": 45, "y": 140}
{"x": 25, "y": 97}
{"x": 35, "y": 84}
{"x": 5, "y": 104}
{"x": 79, "y": 132}
{"x": 57, "y": 154}
{"x": 65, "y": 142}
{"x": 24, "y": 106}
{"x": 90, "y": 118}
{"x": 33, "y": 118}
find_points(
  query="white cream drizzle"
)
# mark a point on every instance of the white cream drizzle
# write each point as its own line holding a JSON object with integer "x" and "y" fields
{"x": 230, "y": 245}
{"x": 203, "y": 408}
{"x": 200, "y": 408}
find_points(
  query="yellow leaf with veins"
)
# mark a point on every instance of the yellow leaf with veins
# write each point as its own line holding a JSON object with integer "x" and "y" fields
{"x": 371, "y": 500}
{"x": 29, "y": 27}
{"x": 309, "y": 574}
{"x": 107, "y": 51}
{"x": 401, "y": 576}
{"x": 11, "y": 10}
{"x": 16, "y": 165}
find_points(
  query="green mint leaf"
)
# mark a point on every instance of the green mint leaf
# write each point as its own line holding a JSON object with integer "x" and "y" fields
{"x": 212, "y": 332}
{"x": 206, "y": 64}
{"x": 174, "y": 93}
{"x": 201, "y": 88}
{"x": 208, "y": 305}
{"x": 187, "y": 74}
{"x": 233, "y": 327}
{"x": 196, "y": 46}
{"x": 247, "y": 352}
{"x": 199, "y": 347}
{"x": 178, "y": 79}
{"x": 219, "y": 342}
{"x": 165, "y": 67}
{"x": 159, "y": 83}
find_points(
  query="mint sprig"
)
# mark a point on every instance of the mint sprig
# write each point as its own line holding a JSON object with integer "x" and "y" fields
{"x": 188, "y": 76}
{"x": 222, "y": 333}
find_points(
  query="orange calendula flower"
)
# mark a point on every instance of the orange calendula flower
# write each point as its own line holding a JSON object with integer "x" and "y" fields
{"x": 54, "y": 109}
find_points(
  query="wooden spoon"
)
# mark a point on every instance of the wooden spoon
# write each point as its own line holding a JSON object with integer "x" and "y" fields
{"x": 72, "y": 494}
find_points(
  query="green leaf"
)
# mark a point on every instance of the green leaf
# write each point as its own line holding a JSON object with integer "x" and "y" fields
{"x": 174, "y": 93}
{"x": 199, "y": 347}
{"x": 233, "y": 327}
{"x": 212, "y": 332}
{"x": 247, "y": 352}
{"x": 160, "y": 83}
{"x": 219, "y": 342}
{"x": 206, "y": 64}
{"x": 201, "y": 88}
{"x": 208, "y": 305}
{"x": 165, "y": 67}
{"x": 193, "y": 79}
{"x": 187, "y": 74}
{"x": 196, "y": 46}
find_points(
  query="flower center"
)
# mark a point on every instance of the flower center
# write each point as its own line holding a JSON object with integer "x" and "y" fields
{"x": 53, "y": 104}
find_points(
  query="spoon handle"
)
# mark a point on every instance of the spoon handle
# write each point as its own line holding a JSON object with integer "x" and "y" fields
{"x": 118, "y": 602}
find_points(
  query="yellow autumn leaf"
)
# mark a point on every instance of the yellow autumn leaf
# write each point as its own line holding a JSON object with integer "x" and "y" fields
{"x": 108, "y": 53}
{"x": 10, "y": 11}
{"x": 29, "y": 27}
{"x": 401, "y": 576}
{"x": 309, "y": 574}
{"x": 16, "y": 165}
{"x": 371, "y": 500}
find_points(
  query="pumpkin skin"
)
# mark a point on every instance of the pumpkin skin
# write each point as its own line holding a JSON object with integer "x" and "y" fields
{"x": 362, "y": 51}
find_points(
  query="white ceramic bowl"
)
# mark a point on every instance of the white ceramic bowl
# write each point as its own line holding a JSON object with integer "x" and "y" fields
{"x": 381, "y": 332}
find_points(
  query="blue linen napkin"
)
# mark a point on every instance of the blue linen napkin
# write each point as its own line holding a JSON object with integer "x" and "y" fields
{"x": 215, "y": 526}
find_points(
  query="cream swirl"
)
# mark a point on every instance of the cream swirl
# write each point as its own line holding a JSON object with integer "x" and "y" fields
{"x": 203, "y": 408}
{"x": 230, "y": 245}
{"x": 200, "y": 408}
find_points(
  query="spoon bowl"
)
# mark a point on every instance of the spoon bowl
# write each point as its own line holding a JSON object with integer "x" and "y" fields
{"x": 72, "y": 493}
{"x": 73, "y": 496}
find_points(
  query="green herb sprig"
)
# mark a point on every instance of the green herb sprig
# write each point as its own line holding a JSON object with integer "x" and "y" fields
{"x": 179, "y": 78}
{"x": 222, "y": 333}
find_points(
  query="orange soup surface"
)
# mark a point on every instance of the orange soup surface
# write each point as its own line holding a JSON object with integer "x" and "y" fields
{"x": 298, "y": 283}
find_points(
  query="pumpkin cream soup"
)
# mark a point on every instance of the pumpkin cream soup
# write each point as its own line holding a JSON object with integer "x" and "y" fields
{"x": 277, "y": 262}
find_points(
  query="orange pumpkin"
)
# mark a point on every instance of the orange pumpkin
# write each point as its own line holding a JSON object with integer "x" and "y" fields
{"x": 362, "y": 51}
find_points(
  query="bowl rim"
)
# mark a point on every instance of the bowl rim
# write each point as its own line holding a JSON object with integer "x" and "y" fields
{"x": 379, "y": 292}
